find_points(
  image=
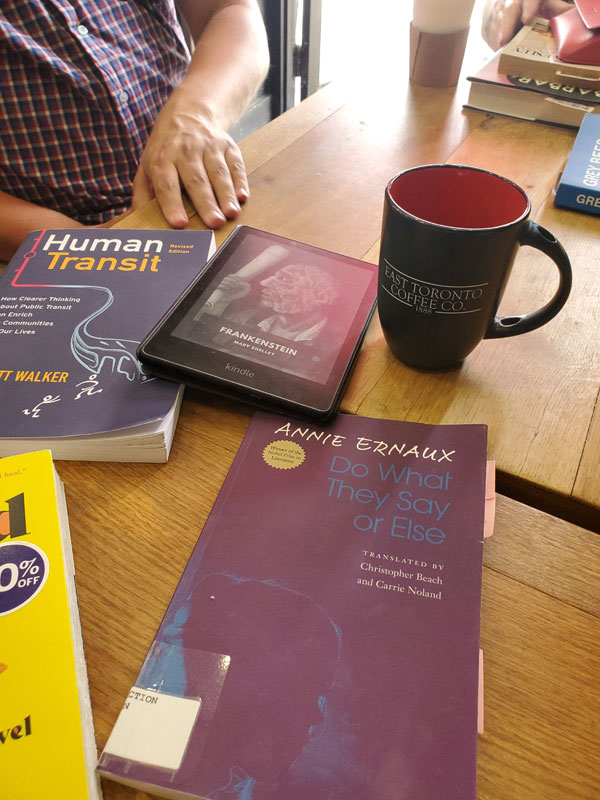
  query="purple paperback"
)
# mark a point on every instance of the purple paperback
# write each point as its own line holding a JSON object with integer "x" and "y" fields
{"x": 323, "y": 640}
{"x": 74, "y": 305}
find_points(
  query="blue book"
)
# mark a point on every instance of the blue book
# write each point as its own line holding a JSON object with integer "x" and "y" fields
{"x": 579, "y": 185}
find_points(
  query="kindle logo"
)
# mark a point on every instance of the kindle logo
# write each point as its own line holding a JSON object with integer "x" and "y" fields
{"x": 12, "y": 517}
{"x": 238, "y": 370}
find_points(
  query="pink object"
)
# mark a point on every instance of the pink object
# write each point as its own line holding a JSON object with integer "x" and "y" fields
{"x": 575, "y": 43}
{"x": 490, "y": 499}
{"x": 589, "y": 10}
{"x": 480, "y": 728}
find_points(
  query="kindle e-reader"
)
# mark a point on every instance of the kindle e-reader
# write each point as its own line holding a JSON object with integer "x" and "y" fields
{"x": 270, "y": 321}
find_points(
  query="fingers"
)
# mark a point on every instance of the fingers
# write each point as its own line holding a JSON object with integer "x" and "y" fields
{"x": 531, "y": 10}
{"x": 509, "y": 22}
{"x": 237, "y": 170}
{"x": 216, "y": 193}
{"x": 164, "y": 180}
{"x": 142, "y": 189}
{"x": 216, "y": 183}
{"x": 501, "y": 19}
{"x": 193, "y": 176}
{"x": 540, "y": 8}
{"x": 212, "y": 172}
{"x": 145, "y": 189}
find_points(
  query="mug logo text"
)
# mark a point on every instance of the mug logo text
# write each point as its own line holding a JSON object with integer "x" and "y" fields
{"x": 431, "y": 298}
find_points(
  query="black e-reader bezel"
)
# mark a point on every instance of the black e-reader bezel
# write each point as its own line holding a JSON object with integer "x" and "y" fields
{"x": 268, "y": 375}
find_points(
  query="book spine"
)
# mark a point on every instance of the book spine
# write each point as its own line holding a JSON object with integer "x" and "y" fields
{"x": 578, "y": 199}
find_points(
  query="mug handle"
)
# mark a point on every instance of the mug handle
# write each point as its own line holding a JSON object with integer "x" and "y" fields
{"x": 534, "y": 235}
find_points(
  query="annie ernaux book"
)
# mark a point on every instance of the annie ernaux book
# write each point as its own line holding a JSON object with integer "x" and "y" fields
{"x": 323, "y": 639}
{"x": 74, "y": 305}
{"x": 47, "y": 744}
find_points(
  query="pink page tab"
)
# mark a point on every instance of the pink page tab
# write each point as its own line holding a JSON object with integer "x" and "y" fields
{"x": 488, "y": 529}
{"x": 480, "y": 729}
{"x": 490, "y": 499}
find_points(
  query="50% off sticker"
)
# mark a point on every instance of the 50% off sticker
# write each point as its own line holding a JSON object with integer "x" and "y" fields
{"x": 23, "y": 572}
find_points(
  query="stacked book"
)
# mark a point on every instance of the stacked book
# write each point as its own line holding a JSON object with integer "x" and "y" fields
{"x": 527, "y": 80}
{"x": 579, "y": 183}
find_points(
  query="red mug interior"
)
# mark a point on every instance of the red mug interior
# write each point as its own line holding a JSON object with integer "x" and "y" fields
{"x": 458, "y": 197}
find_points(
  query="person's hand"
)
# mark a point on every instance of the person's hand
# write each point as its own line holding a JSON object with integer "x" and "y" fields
{"x": 234, "y": 287}
{"x": 188, "y": 150}
{"x": 502, "y": 18}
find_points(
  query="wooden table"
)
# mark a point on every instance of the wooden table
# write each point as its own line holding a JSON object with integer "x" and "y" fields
{"x": 134, "y": 525}
{"x": 318, "y": 174}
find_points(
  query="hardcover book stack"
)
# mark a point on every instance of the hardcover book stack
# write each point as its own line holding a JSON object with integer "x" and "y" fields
{"x": 527, "y": 80}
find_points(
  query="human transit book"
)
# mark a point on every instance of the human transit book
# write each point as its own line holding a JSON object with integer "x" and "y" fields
{"x": 323, "y": 641}
{"x": 74, "y": 305}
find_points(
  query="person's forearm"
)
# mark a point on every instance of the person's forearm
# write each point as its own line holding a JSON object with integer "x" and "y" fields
{"x": 230, "y": 59}
{"x": 189, "y": 147}
{"x": 18, "y": 218}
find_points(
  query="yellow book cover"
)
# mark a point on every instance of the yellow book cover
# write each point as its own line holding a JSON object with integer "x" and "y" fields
{"x": 47, "y": 745}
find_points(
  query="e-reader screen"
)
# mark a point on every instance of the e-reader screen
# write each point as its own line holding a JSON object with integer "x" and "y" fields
{"x": 271, "y": 313}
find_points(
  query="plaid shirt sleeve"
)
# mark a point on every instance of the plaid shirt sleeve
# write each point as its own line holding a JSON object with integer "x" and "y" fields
{"x": 81, "y": 84}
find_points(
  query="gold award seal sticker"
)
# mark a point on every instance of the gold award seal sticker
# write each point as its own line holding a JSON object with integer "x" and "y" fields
{"x": 284, "y": 455}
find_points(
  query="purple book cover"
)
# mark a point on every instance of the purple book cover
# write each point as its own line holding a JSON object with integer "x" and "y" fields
{"x": 74, "y": 305}
{"x": 323, "y": 640}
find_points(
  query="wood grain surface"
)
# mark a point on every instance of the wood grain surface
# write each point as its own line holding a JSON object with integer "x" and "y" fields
{"x": 318, "y": 174}
{"x": 134, "y": 526}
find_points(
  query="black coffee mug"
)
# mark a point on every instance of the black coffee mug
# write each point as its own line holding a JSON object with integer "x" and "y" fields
{"x": 449, "y": 238}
